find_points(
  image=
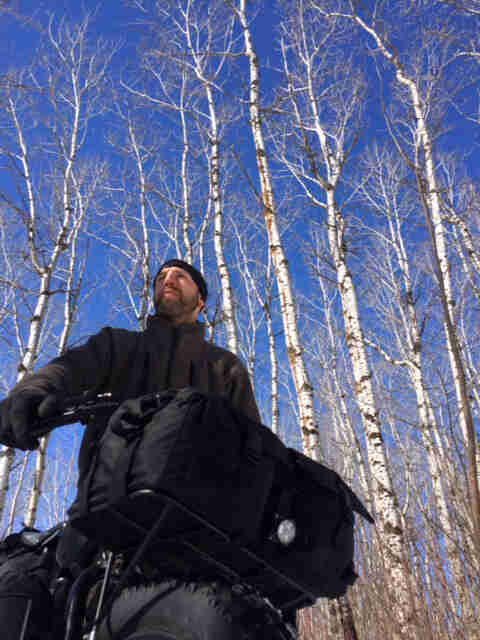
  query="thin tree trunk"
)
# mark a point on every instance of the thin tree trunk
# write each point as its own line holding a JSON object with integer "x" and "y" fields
{"x": 29, "y": 358}
{"x": 275, "y": 409}
{"x": 389, "y": 520}
{"x": 145, "y": 250}
{"x": 338, "y": 392}
{"x": 17, "y": 493}
{"x": 411, "y": 342}
{"x": 215, "y": 194}
{"x": 71, "y": 301}
{"x": 81, "y": 73}
{"x": 429, "y": 193}
{"x": 214, "y": 185}
{"x": 186, "y": 218}
{"x": 303, "y": 386}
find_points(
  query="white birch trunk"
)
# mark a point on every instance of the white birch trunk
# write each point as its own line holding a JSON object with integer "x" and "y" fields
{"x": 470, "y": 259}
{"x": 31, "y": 352}
{"x": 45, "y": 273}
{"x": 214, "y": 178}
{"x": 410, "y": 342}
{"x": 68, "y": 47}
{"x": 274, "y": 407}
{"x": 17, "y": 493}
{"x": 265, "y": 302}
{"x": 348, "y": 429}
{"x": 70, "y": 306}
{"x": 302, "y": 383}
{"x": 186, "y": 218}
{"x": 389, "y": 518}
{"x": 468, "y": 242}
{"x": 144, "y": 249}
{"x": 62, "y": 242}
{"x": 428, "y": 427}
{"x": 429, "y": 192}
{"x": 214, "y": 183}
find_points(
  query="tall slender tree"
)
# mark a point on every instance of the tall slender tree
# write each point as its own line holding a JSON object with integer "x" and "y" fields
{"x": 63, "y": 88}
{"x": 296, "y": 358}
{"x": 423, "y": 97}
{"x": 323, "y": 100}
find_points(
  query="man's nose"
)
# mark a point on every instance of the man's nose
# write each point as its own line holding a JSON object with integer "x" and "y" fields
{"x": 169, "y": 279}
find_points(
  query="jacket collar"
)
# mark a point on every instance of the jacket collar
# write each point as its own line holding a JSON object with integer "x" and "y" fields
{"x": 156, "y": 322}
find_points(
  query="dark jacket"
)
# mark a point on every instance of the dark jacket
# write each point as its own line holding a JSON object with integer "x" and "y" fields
{"x": 132, "y": 363}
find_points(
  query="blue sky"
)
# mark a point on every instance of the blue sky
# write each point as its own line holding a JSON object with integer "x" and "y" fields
{"x": 115, "y": 21}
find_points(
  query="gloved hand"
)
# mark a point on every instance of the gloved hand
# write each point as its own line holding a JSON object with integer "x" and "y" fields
{"x": 18, "y": 414}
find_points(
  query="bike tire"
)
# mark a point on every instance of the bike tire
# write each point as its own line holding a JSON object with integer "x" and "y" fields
{"x": 179, "y": 610}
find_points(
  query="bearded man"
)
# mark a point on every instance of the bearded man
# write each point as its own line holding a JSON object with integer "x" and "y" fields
{"x": 171, "y": 353}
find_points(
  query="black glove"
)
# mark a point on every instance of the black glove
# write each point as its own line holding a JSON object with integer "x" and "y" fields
{"x": 18, "y": 414}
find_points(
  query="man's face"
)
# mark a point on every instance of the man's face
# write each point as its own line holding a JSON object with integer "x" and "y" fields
{"x": 177, "y": 296}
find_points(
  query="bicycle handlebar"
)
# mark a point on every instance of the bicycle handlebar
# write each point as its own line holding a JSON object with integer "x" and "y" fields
{"x": 77, "y": 409}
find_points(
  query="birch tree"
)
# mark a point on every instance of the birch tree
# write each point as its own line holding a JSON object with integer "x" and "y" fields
{"x": 257, "y": 317}
{"x": 323, "y": 100}
{"x": 420, "y": 93}
{"x": 129, "y": 231}
{"x": 86, "y": 185}
{"x": 165, "y": 89}
{"x": 387, "y": 193}
{"x": 332, "y": 363}
{"x": 209, "y": 41}
{"x": 62, "y": 90}
{"x": 296, "y": 358}
{"x": 461, "y": 202}
{"x": 194, "y": 42}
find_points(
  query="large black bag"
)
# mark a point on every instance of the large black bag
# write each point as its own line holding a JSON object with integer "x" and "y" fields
{"x": 194, "y": 449}
{"x": 186, "y": 444}
{"x": 320, "y": 558}
{"x": 26, "y": 605}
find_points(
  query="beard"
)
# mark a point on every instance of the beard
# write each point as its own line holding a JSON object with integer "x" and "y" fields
{"x": 173, "y": 306}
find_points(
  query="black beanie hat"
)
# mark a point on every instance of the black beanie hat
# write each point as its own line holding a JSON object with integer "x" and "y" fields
{"x": 194, "y": 273}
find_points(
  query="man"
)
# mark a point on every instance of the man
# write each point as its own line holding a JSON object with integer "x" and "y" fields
{"x": 170, "y": 354}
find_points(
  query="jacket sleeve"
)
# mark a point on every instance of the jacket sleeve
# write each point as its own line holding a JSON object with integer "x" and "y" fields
{"x": 241, "y": 391}
{"x": 82, "y": 368}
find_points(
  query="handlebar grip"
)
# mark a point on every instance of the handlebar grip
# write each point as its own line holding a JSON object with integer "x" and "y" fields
{"x": 76, "y": 410}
